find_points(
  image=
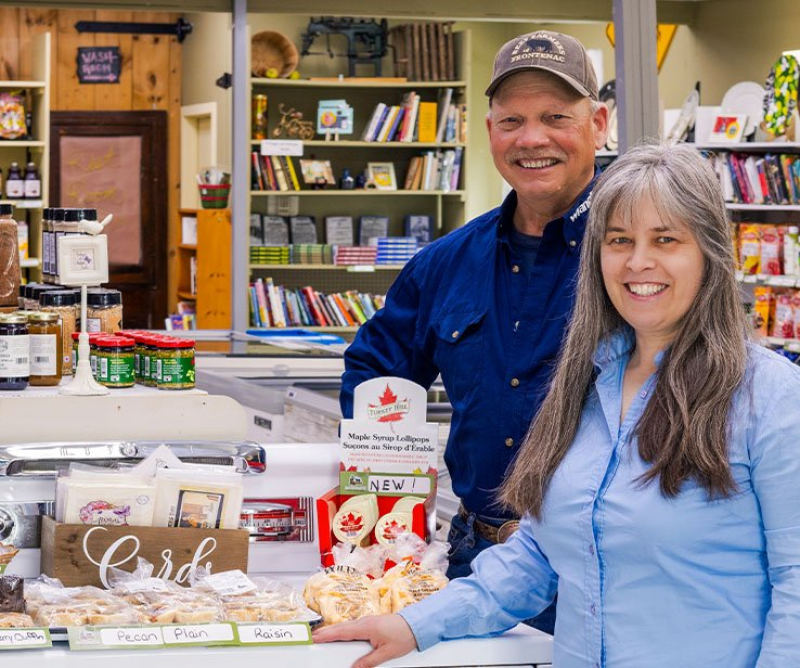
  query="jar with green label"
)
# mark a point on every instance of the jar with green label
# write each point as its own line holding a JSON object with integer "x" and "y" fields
{"x": 115, "y": 361}
{"x": 176, "y": 364}
{"x": 93, "y": 338}
{"x": 148, "y": 360}
{"x": 136, "y": 336}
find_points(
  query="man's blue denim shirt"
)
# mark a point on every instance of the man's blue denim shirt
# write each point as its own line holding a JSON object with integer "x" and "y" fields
{"x": 462, "y": 307}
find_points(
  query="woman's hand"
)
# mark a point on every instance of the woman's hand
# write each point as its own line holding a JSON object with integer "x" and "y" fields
{"x": 389, "y": 635}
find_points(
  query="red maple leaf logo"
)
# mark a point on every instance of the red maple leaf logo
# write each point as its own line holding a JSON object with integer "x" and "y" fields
{"x": 387, "y": 399}
{"x": 393, "y": 529}
{"x": 351, "y": 524}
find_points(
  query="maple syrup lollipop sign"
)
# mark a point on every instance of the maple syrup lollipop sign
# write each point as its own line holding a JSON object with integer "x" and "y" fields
{"x": 388, "y": 448}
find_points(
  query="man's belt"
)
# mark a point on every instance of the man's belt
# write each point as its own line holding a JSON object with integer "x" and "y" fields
{"x": 488, "y": 531}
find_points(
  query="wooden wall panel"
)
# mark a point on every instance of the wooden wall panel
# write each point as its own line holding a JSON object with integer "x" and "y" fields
{"x": 174, "y": 167}
{"x": 116, "y": 97}
{"x": 150, "y": 66}
{"x": 9, "y": 43}
{"x": 32, "y": 22}
{"x": 72, "y": 95}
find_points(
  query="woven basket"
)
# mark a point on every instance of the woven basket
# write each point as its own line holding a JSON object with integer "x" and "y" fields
{"x": 273, "y": 50}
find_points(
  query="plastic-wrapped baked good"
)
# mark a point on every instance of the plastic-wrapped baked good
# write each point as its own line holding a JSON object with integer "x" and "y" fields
{"x": 53, "y": 605}
{"x": 12, "y": 594}
{"x": 15, "y": 620}
{"x": 341, "y": 594}
{"x": 406, "y": 584}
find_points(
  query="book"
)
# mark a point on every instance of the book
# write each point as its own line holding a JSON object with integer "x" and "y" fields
{"x": 275, "y": 306}
{"x": 426, "y": 127}
{"x": 394, "y": 130}
{"x": 419, "y": 227}
{"x": 451, "y": 62}
{"x": 257, "y": 182}
{"x": 313, "y": 306}
{"x": 339, "y": 230}
{"x": 372, "y": 227}
{"x": 446, "y": 171}
{"x": 388, "y": 123}
{"x": 441, "y": 51}
{"x": 303, "y": 229}
{"x": 288, "y": 163}
{"x": 256, "y": 230}
{"x": 433, "y": 48}
{"x": 417, "y": 52}
{"x": 445, "y": 97}
{"x": 456, "y": 174}
{"x": 370, "y": 130}
{"x": 424, "y": 51}
{"x": 413, "y": 168}
{"x": 280, "y": 175}
{"x": 262, "y": 304}
{"x": 275, "y": 231}
{"x": 345, "y": 312}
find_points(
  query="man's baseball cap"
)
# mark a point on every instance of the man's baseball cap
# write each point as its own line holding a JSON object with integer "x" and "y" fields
{"x": 552, "y": 52}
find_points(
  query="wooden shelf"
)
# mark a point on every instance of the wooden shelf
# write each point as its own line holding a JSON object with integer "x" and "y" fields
{"x": 23, "y": 203}
{"x": 23, "y": 84}
{"x": 185, "y": 294}
{"x": 354, "y": 83}
{"x": 761, "y": 207}
{"x": 21, "y": 143}
{"x": 356, "y": 193}
{"x": 353, "y": 269}
{"x": 774, "y": 147}
{"x": 188, "y": 247}
{"x": 321, "y": 143}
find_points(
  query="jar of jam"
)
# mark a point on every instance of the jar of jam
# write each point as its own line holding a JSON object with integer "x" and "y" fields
{"x": 66, "y": 304}
{"x": 175, "y": 364}
{"x": 15, "y": 369}
{"x": 115, "y": 361}
{"x": 47, "y": 348}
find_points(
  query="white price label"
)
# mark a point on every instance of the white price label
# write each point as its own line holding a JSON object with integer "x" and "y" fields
{"x": 274, "y": 634}
{"x": 43, "y": 354}
{"x": 15, "y": 356}
{"x": 148, "y": 584}
{"x": 24, "y": 638}
{"x": 197, "y": 634}
{"x": 282, "y": 147}
{"x": 362, "y": 268}
{"x": 131, "y": 637}
{"x": 230, "y": 583}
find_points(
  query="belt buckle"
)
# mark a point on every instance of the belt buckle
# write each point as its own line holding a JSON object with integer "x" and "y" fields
{"x": 506, "y": 530}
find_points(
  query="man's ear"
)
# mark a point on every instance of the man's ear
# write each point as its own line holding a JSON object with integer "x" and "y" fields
{"x": 600, "y": 123}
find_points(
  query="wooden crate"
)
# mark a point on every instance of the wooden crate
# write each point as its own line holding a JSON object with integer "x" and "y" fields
{"x": 65, "y": 547}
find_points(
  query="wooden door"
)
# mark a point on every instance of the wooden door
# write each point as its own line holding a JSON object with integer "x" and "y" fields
{"x": 116, "y": 162}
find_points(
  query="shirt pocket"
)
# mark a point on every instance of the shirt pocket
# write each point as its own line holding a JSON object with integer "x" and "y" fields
{"x": 459, "y": 351}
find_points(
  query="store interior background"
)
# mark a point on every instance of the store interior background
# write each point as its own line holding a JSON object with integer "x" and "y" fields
{"x": 719, "y": 43}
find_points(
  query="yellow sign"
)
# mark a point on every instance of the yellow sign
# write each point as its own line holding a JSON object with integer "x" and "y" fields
{"x": 664, "y": 34}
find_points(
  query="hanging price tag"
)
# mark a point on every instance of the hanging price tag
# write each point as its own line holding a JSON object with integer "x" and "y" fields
{"x": 24, "y": 638}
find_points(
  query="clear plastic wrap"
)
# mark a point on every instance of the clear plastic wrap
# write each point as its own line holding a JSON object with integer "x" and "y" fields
{"x": 15, "y": 620}
{"x": 341, "y": 594}
{"x": 51, "y": 604}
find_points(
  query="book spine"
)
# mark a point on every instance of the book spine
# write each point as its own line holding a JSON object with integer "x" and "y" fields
{"x": 292, "y": 173}
{"x": 254, "y": 319}
{"x": 261, "y": 300}
{"x": 343, "y": 310}
{"x": 275, "y": 304}
{"x": 311, "y": 300}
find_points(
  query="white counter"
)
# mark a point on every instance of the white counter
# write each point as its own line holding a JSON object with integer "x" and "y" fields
{"x": 522, "y": 646}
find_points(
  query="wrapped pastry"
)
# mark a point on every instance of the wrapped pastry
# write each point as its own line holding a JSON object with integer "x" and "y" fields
{"x": 340, "y": 594}
{"x": 405, "y": 584}
{"x": 15, "y": 620}
{"x": 53, "y": 605}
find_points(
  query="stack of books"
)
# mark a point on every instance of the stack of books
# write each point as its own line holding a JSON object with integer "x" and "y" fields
{"x": 355, "y": 255}
{"x": 424, "y": 51}
{"x": 396, "y": 250}
{"x": 269, "y": 254}
{"x": 435, "y": 170}
{"x": 276, "y": 306}
{"x": 416, "y": 120}
{"x": 273, "y": 172}
{"x": 312, "y": 254}
{"x": 758, "y": 179}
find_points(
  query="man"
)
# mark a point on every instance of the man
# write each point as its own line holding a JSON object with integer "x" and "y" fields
{"x": 486, "y": 305}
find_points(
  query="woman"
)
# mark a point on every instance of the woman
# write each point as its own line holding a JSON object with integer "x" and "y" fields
{"x": 661, "y": 479}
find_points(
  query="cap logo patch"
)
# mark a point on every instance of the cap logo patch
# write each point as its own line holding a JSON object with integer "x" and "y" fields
{"x": 540, "y": 46}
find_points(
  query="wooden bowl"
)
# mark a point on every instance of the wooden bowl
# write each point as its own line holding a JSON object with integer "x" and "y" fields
{"x": 272, "y": 50}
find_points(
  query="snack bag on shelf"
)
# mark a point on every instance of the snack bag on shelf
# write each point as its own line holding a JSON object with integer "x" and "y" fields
{"x": 157, "y": 601}
{"x": 783, "y": 324}
{"x": 763, "y": 309}
{"x": 771, "y": 247}
{"x": 253, "y": 600}
{"x": 749, "y": 248}
{"x": 341, "y": 594}
{"x": 12, "y": 114}
{"x": 51, "y": 604}
{"x": 795, "y": 296}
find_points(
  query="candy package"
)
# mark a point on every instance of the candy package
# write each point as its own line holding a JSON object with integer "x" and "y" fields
{"x": 12, "y": 115}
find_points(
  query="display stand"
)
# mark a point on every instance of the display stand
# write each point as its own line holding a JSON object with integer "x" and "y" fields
{"x": 83, "y": 260}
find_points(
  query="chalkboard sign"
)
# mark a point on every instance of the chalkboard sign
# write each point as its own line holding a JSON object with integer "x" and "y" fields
{"x": 98, "y": 64}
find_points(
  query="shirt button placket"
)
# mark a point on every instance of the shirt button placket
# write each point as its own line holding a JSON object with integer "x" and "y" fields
{"x": 515, "y": 269}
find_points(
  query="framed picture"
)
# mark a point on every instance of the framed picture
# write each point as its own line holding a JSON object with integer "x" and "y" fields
{"x": 728, "y": 128}
{"x": 381, "y": 174}
{"x": 317, "y": 172}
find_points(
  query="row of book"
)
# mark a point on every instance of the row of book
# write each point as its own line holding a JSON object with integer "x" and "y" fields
{"x": 415, "y": 120}
{"x": 435, "y": 170}
{"x": 185, "y": 317}
{"x": 388, "y": 251}
{"x": 424, "y": 51}
{"x": 753, "y": 179}
{"x": 276, "y": 306}
{"x": 273, "y": 172}
{"x": 268, "y": 230}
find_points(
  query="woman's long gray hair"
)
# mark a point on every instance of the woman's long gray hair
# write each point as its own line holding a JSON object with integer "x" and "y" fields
{"x": 683, "y": 431}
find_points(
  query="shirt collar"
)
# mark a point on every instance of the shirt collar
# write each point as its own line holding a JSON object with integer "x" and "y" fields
{"x": 616, "y": 346}
{"x": 572, "y": 223}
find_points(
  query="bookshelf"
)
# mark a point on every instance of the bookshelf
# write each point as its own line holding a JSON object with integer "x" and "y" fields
{"x": 36, "y": 150}
{"x": 447, "y": 208}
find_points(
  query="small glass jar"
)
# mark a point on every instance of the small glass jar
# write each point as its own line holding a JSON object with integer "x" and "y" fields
{"x": 93, "y": 338}
{"x": 115, "y": 361}
{"x": 176, "y": 364}
{"x": 135, "y": 335}
{"x": 47, "y": 348}
{"x": 75, "y": 337}
{"x": 66, "y": 303}
{"x": 32, "y": 294}
{"x": 103, "y": 310}
{"x": 15, "y": 369}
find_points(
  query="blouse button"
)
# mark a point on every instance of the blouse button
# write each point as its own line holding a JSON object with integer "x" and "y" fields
{"x": 573, "y": 243}
{"x": 455, "y": 334}
{"x": 509, "y": 442}
{"x": 515, "y": 382}
{"x": 515, "y": 269}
